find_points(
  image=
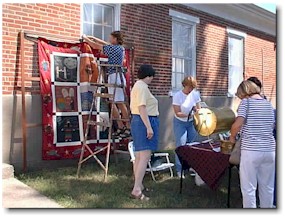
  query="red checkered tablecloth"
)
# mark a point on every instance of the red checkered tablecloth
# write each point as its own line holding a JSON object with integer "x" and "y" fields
{"x": 210, "y": 165}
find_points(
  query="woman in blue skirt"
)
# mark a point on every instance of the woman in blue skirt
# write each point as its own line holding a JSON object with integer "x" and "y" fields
{"x": 144, "y": 126}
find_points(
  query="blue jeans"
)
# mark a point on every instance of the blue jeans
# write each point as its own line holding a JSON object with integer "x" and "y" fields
{"x": 184, "y": 132}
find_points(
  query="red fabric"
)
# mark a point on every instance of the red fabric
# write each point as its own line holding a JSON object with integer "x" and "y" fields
{"x": 88, "y": 72}
{"x": 127, "y": 63}
{"x": 210, "y": 165}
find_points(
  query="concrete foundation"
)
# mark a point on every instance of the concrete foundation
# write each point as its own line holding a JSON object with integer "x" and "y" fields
{"x": 12, "y": 129}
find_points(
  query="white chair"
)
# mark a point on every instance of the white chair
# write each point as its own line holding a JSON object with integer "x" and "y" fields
{"x": 152, "y": 168}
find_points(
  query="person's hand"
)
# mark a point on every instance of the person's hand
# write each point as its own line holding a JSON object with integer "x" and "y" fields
{"x": 84, "y": 36}
{"x": 149, "y": 132}
{"x": 232, "y": 139}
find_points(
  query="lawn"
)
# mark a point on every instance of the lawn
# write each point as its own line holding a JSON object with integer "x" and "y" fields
{"x": 90, "y": 191}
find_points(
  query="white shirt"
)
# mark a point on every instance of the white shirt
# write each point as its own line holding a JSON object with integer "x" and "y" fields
{"x": 186, "y": 102}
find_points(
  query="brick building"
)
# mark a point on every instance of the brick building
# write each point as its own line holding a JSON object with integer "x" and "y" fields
{"x": 219, "y": 44}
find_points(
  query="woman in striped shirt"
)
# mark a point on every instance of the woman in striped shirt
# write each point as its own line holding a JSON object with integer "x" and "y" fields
{"x": 255, "y": 119}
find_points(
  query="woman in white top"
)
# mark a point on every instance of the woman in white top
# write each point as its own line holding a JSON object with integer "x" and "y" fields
{"x": 185, "y": 103}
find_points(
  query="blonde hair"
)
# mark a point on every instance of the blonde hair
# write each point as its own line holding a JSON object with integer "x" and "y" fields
{"x": 190, "y": 82}
{"x": 247, "y": 88}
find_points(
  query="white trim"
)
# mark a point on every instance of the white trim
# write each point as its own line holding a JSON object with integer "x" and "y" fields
{"x": 248, "y": 15}
{"x": 190, "y": 21}
{"x": 117, "y": 17}
{"x": 183, "y": 16}
{"x": 236, "y": 32}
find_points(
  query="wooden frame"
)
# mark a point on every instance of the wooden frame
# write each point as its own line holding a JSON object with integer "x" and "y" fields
{"x": 33, "y": 36}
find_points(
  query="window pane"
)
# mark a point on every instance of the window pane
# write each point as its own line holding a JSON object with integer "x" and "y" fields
{"x": 179, "y": 79}
{"x": 187, "y": 67}
{"x": 178, "y": 67}
{"x": 235, "y": 51}
{"x": 87, "y": 11}
{"x": 97, "y": 31}
{"x": 107, "y": 31}
{"x": 87, "y": 29}
{"x": 173, "y": 64}
{"x": 97, "y": 14}
{"x": 108, "y": 15}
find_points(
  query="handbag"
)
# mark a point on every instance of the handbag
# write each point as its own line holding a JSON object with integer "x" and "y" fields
{"x": 235, "y": 155}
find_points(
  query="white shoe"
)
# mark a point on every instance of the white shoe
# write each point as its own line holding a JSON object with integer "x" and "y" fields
{"x": 179, "y": 175}
{"x": 192, "y": 172}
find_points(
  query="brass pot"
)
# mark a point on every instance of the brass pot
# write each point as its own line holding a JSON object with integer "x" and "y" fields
{"x": 213, "y": 120}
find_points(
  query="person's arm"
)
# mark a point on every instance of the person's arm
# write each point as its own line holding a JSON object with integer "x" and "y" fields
{"x": 98, "y": 40}
{"x": 178, "y": 112}
{"x": 242, "y": 110}
{"x": 92, "y": 43}
{"x": 236, "y": 128}
{"x": 145, "y": 119}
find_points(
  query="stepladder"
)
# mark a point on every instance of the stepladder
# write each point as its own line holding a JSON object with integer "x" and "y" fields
{"x": 107, "y": 91}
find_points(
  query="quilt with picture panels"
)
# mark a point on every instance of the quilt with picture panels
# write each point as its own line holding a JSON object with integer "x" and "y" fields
{"x": 66, "y": 71}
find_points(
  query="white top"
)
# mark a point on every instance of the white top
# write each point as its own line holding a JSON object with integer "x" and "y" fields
{"x": 186, "y": 102}
{"x": 257, "y": 132}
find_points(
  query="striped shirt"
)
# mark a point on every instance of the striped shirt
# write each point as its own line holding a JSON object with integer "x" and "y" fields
{"x": 257, "y": 132}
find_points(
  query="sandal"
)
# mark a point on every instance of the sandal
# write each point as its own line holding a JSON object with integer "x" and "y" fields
{"x": 147, "y": 190}
{"x": 141, "y": 197}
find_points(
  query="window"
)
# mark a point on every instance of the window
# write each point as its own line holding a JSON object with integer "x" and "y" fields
{"x": 183, "y": 47}
{"x": 100, "y": 20}
{"x": 235, "y": 60}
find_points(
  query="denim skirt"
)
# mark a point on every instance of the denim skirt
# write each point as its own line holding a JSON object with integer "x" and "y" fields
{"x": 139, "y": 133}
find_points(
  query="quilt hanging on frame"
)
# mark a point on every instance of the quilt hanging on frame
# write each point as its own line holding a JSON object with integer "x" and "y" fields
{"x": 66, "y": 71}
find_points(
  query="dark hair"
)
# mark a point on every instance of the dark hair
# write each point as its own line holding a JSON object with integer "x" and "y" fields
{"x": 145, "y": 71}
{"x": 256, "y": 81}
{"x": 119, "y": 36}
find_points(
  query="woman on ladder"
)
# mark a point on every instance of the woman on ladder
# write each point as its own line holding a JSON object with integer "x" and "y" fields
{"x": 115, "y": 53}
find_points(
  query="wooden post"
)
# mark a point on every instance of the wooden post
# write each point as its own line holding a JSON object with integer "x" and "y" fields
{"x": 24, "y": 120}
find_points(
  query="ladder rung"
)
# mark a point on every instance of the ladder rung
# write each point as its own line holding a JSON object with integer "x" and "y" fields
{"x": 104, "y": 95}
{"x": 106, "y": 85}
{"x": 121, "y": 152}
{"x": 94, "y": 123}
{"x": 121, "y": 119}
{"x": 33, "y": 125}
{"x": 122, "y": 102}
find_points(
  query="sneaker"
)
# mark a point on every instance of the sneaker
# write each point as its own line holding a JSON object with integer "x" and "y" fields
{"x": 117, "y": 133}
{"x": 125, "y": 133}
{"x": 179, "y": 175}
{"x": 192, "y": 172}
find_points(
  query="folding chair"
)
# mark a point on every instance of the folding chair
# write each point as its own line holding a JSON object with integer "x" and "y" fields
{"x": 153, "y": 168}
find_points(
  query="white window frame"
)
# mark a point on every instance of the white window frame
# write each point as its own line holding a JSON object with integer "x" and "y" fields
{"x": 117, "y": 15}
{"x": 191, "y": 21}
{"x": 239, "y": 35}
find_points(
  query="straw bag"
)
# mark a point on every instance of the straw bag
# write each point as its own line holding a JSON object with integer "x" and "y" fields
{"x": 235, "y": 155}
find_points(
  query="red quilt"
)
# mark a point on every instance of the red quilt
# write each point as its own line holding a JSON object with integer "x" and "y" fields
{"x": 65, "y": 71}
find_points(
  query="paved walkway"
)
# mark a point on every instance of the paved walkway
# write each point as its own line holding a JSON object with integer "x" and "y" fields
{"x": 16, "y": 194}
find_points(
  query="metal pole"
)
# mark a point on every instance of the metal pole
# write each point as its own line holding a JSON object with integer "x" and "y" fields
{"x": 24, "y": 120}
{"x": 229, "y": 186}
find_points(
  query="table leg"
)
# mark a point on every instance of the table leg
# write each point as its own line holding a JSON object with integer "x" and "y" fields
{"x": 229, "y": 186}
{"x": 181, "y": 179}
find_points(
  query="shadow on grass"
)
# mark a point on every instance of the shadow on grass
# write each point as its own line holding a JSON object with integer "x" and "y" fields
{"x": 89, "y": 191}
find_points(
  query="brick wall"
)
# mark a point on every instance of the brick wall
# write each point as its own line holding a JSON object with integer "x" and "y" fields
{"x": 148, "y": 26}
{"x": 56, "y": 19}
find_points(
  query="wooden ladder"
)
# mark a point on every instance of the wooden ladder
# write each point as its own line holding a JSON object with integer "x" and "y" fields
{"x": 97, "y": 94}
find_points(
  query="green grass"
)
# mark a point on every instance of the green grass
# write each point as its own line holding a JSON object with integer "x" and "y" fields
{"x": 90, "y": 191}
